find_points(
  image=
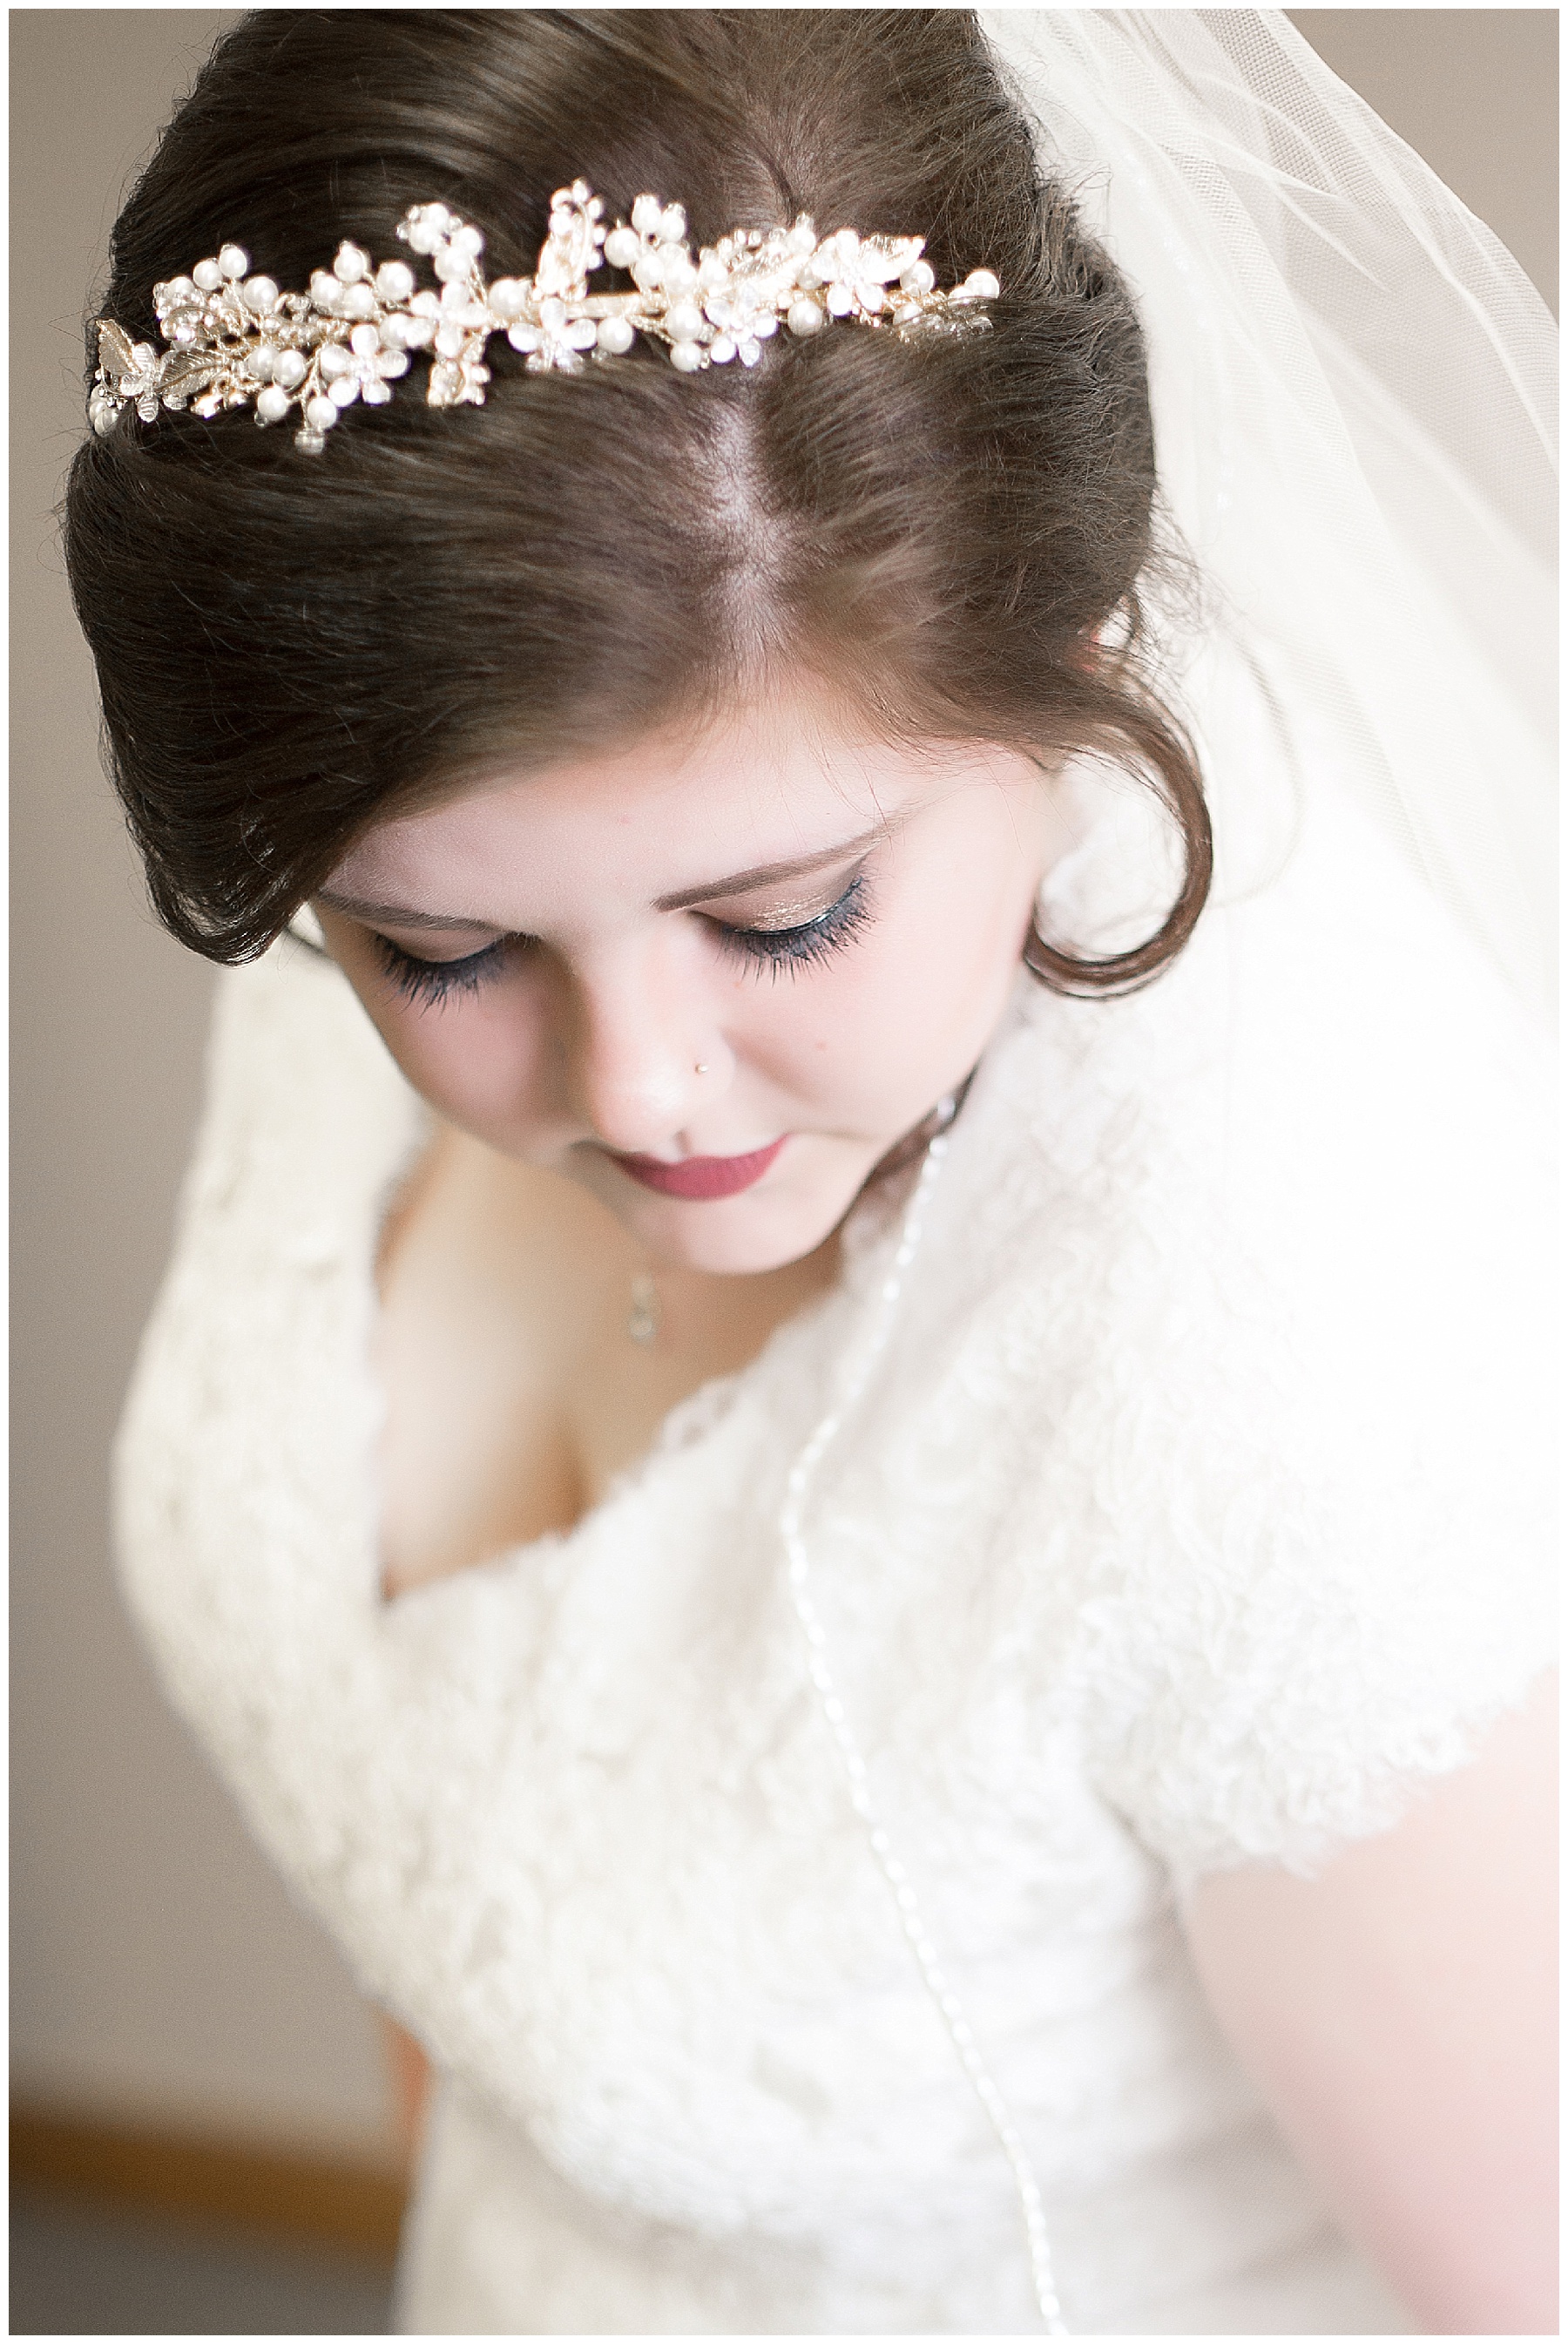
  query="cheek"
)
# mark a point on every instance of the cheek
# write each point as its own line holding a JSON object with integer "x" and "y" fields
{"x": 478, "y": 1059}
{"x": 916, "y": 1000}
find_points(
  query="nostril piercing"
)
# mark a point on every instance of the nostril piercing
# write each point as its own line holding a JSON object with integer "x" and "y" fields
{"x": 702, "y": 1066}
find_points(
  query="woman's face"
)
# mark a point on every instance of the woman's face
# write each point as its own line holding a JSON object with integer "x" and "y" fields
{"x": 713, "y": 977}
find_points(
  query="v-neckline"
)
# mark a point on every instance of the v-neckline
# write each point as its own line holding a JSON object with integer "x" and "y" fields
{"x": 692, "y": 1422}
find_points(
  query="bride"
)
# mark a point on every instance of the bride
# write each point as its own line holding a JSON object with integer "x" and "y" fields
{"x": 846, "y": 1446}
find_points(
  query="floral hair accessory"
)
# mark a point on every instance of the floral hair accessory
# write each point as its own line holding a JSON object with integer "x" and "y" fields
{"x": 234, "y": 339}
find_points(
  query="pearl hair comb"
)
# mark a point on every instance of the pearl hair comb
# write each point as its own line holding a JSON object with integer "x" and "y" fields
{"x": 234, "y": 339}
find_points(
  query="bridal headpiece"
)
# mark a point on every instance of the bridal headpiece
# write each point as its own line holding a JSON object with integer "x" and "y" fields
{"x": 235, "y": 339}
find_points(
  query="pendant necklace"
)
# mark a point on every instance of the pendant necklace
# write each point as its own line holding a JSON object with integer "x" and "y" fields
{"x": 643, "y": 1319}
{"x": 646, "y": 1315}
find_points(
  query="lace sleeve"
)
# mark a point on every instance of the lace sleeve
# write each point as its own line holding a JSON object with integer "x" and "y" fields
{"x": 1337, "y": 1568}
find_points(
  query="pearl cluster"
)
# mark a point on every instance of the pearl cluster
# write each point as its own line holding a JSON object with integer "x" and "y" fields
{"x": 235, "y": 339}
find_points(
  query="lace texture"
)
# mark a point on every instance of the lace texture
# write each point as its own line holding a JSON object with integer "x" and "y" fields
{"x": 1193, "y": 1516}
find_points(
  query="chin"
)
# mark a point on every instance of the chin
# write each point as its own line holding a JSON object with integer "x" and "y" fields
{"x": 761, "y": 1229}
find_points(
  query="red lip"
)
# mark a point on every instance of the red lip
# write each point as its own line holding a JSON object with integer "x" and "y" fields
{"x": 701, "y": 1176}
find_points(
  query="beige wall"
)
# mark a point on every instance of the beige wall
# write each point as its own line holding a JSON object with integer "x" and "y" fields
{"x": 1475, "y": 90}
{"x": 157, "y": 1965}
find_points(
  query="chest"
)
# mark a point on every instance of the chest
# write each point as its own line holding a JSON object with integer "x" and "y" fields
{"x": 528, "y": 1353}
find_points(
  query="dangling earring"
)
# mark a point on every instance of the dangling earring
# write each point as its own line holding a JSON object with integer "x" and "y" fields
{"x": 643, "y": 1318}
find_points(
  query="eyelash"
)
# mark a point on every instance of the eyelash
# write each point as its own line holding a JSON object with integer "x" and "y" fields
{"x": 778, "y": 949}
{"x": 431, "y": 983}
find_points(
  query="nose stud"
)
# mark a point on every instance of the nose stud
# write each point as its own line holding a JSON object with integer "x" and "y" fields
{"x": 702, "y": 1066}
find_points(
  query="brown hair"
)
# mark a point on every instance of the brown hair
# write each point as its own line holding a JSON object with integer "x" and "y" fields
{"x": 291, "y": 647}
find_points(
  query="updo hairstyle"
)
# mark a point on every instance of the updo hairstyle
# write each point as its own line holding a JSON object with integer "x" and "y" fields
{"x": 949, "y": 529}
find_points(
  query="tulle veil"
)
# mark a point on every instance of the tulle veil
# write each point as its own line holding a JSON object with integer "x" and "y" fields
{"x": 1354, "y": 394}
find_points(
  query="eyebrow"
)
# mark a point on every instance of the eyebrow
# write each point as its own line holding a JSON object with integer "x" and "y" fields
{"x": 766, "y": 873}
{"x": 740, "y": 882}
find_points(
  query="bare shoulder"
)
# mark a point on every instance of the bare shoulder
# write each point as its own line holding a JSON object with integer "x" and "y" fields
{"x": 492, "y": 1275}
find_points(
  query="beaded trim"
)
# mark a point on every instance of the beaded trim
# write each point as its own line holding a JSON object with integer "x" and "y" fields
{"x": 235, "y": 339}
{"x": 950, "y": 2009}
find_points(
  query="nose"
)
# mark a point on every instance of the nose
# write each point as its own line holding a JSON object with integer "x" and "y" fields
{"x": 635, "y": 1037}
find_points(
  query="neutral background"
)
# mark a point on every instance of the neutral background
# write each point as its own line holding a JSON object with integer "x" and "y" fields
{"x": 158, "y": 1969}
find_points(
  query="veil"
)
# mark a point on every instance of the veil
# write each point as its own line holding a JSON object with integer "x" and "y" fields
{"x": 1353, "y": 386}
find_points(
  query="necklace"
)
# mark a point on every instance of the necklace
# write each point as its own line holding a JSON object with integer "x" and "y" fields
{"x": 948, "y": 2008}
{"x": 646, "y": 1314}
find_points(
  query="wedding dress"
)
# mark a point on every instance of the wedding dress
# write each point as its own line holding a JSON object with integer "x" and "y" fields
{"x": 1195, "y": 1515}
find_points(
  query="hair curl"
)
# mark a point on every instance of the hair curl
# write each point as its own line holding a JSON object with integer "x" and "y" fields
{"x": 291, "y": 647}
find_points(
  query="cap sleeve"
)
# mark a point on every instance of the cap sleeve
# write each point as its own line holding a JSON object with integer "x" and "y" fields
{"x": 1332, "y": 1567}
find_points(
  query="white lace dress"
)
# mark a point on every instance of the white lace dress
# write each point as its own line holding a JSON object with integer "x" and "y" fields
{"x": 1194, "y": 1516}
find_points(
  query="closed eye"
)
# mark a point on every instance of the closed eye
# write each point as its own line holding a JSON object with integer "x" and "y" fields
{"x": 816, "y": 939}
{"x": 429, "y": 982}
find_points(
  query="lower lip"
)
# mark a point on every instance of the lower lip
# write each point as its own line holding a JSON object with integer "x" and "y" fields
{"x": 701, "y": 1178}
